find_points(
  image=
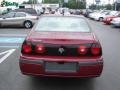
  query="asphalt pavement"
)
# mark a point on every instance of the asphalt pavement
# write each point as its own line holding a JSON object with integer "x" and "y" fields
{"x": 12, "y": 79}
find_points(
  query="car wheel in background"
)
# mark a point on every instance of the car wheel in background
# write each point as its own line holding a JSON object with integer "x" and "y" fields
{"x": 28, "y": 24}
{"x": 100, "y": 19}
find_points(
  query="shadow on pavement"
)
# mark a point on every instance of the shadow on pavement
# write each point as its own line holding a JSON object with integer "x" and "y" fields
{"x": 62, "y": 83}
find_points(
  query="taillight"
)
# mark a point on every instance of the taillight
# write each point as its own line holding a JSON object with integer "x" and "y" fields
{"x": 26, "y": 48}
{"x": 96, "y": 49}
{"x": 40, "y": 49}
{"x": 82, "y": 50}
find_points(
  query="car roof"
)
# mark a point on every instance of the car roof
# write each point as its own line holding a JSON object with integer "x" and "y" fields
{"x": 27, "y": 10}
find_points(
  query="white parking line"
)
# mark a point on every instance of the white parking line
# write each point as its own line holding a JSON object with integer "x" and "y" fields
{"x": 7, "y": 54}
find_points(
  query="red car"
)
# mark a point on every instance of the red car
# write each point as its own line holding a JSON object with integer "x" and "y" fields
{"x": 107, "y": 20}
{"x": 61, "y": 46}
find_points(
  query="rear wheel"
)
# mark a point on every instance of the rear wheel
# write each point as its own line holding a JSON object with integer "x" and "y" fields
{"x": 28, "y": 24}
{"x": 100, "y": 19}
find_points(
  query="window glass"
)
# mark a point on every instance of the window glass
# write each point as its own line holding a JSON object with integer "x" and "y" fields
{"x": 10, "y": 15}
{"x": 20, "y": 15}
{"x": 67, "y": 24}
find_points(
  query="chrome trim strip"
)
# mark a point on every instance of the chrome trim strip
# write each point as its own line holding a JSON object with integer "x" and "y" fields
{"x": 42, "y": 62}
{"x": 90, "y": 63}
{"x": 31, "y": 61}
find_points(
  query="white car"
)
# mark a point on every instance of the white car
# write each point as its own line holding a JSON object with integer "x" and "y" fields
{"x": 116, "y": 22}
{"x": 47, "y": 11}
{"x": 91, "y": 16}
{"x": 113, "y": 13}
{"x": 66, "y": 13}
{"x": 57, "y": 13}
{"x": 100, "y": 16}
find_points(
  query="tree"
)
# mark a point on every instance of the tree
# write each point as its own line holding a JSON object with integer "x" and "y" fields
{"x": 30, "y": 2}
{"x": 3, "y": 3}
{"x": 93, "y": 6}
{"x": 75, "y": 5}
{"x": 52, "y": 1}
{"x": 98, "y": 7}
{"x": 108, "y": 7}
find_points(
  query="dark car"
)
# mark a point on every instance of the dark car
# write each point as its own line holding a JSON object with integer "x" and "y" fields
{"x": 87, "y": 12}
{"x": 61, "y": 46}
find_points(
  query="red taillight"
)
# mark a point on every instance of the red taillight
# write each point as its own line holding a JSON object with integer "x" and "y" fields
{"x": 82, "y": 50}
{"x": 40, "y": 49}
{"x": 26, "y": 48}
{"x": 96, "y": 49}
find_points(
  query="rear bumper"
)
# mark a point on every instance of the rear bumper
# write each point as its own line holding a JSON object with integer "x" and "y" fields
{"x": 86, "y": 68}
{"x": 115, "y": 23}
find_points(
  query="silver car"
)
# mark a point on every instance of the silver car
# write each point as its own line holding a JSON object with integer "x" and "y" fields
{"x": 18, "y": 19}
{"x": 116, "y": 22}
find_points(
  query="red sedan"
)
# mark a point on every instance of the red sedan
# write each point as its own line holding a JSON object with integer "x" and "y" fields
{"x": 61, "y": 46}
{"x": 107, "y": 20}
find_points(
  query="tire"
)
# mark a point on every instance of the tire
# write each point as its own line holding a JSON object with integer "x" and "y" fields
{"x": 28, "y": 24}
{"x": 100, "y": 19}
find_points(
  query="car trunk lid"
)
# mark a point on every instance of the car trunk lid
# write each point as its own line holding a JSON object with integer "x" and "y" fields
{"x": 62, "y": 37}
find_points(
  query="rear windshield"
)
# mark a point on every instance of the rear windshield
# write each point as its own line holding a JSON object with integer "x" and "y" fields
{"x": 62, "y": 24}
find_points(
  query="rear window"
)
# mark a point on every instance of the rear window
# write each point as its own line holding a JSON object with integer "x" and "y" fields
{"x": 62, "y": 24}
{"x": 27, "y": 10}
{"x": 31, "y": 11}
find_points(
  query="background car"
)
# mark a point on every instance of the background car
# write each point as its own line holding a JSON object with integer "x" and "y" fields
{"x": 97, "y": 14}
{"x": 47, "y": 11}
{"x": 20, "y": 19}
{"x": 66, "y": 13}
{"x": 116, "y": 22}
{"x": 72, "y": 11}
{"x": 53, "y": 11}
{"x": 61, "y": 46}
{"x": 87, "y": 12}
{"x": 27, "y": 10}
{"x": 93, "y": 14}
{"x": 57, "y": 12}
{"x": 100, "y": 16}
{"x": 107, "y": 20}
{"x": 77, "y": 12}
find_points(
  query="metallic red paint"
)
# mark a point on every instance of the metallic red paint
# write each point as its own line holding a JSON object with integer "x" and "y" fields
{"x": 61, "y": 37}
{"x": 108, "y": 20}
{"x": 87, "y": 67}
{"x": 34, "y": 64}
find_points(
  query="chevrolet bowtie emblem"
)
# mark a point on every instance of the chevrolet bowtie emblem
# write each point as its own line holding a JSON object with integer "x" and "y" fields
{"x": 61, "y": 50}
